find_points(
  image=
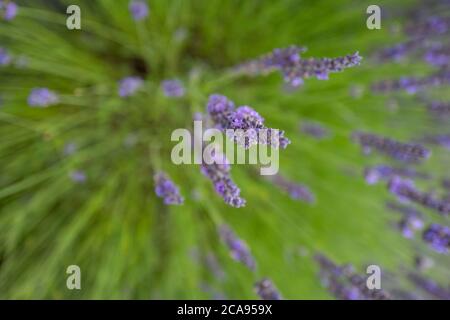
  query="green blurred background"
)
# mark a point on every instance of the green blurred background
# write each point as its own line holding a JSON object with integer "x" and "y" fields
{"x": 126, "y": 242}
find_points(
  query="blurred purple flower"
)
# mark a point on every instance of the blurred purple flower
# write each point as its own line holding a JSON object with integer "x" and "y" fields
{"x": 438, "y": 237}
{"x": 430, "y": 287}
{"x": 8, "y": 9}
{"x": 266, "y": 290}
{"x": 438, "y": 56}
{"x": 314, "y": 129}
{"x": 439, "y": 108}
{"x": 42, "y": 97}
{"x": 172, "y": 88}
{"x": 78, "y": 176}
{"x": 238, "y": 248}
{"x": 295, "y": 190}
{"x": 138, "y": 9}
{"x": 400, "y": 151}
{"x": 5, "y": 58}
{"x": 129, "y": 85}
{"x": 442, "y": 140}
{"x": 166, "y": 189}
{"x": 382, "y": 172}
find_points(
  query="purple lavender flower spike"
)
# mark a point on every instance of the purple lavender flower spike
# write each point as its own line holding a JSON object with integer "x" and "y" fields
{"x": 442, "y": 140}
{"x": 434, "y": 25}
{"x": 138, "y": 9}
{"x": 400, "y": 51}
{"x": 344, "y": 283}
{"x": 129, "y": 85}
{"x": 438, "y": 56}
{"x": 248, "y": 125}
{"x": 166, "y": 189}
{"x": 5, "y": 58}
{"x": 430, "y": 287}
{"x": 172, "y": 88}
{"x": 439, "y": 108}
{"x": 219, "y": 174}
{"x": 295, "y": 190}
{"x": 382, "y": 172}
{"x": 314, "y": 130}
{"x": 42, "y": 97}
{"x": 266, "y": 290}
{"x": 405, "y": 190}
{"x": 400, "y": 151}
{"x": 293, "y": 68}
{"x": 78, "y": 176}
{"x": 438, "y": 237}
{"x": 238, "y": 248}
{"x": 8, "y": 10}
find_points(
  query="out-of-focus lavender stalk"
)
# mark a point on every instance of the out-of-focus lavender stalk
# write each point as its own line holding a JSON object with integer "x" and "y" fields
{"x": 129, "y": 85}
{"x": 438, "y": 237}
{"x": 438, "y": 55}
{"x": 413, "y": 85}
{"x": 42, "y": 97}
{"x": 266, "y": 290}
{"x": 442, "y": 140}
{"x": 78, "y": 176}
{"x": 401, "y": 50}
{"x": 172, "y": 88}
{"x": 344, "y": 283}
{"x": 405, "y": 190}
{"x": 238, "y": 248}
{"x": 439, "y": 108}
{"x": 431, "y": 26}
{"x": 295, "y": 190}
{"x": 407, "y": 152}
{"x": 219, "y": 174}
{"x": 314, "y": 129}
{"x": 166, "y": 189}
{"x": 246, "y": 124}
{"x": 8, "y": 10}
{"x": 382, "y": 172}
{"x": 138, "y": 9}
{"x": 294, "y": 68}
{"x": 430, "y": 287}
{"x": 5, "y": 58}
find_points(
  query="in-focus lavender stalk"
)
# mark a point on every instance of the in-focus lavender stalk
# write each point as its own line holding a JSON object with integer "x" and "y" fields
{"x": 314, "y": 129}
{"x": 5, "y": 58}
{"x": 382, "y": 172}
{"x": 430, "y": 287}
{"x": 407, "y": 152}
{"x": 238, "y": 249}
{"x": 166, "y": 189}
{"x": 344, "y": 283}
{"x": 266, "y": 290}
{"x": 42, "y": 97}
{"x": 405, "y": 190}
{"x": 437, "y": 237}
{"x": 295, "y": 190}
{"x": 78, "y": 176}
{"x": 129, "y": 85}
{"x": 138, "y": 9}
{"x": 294, "y": 69}
{"x": 8, "y": 10}
{"x": 172, "y": 88}
{"x": 247, "y": 125}
{"x": 219, "y": 174}
{"x": 413, "y": 85}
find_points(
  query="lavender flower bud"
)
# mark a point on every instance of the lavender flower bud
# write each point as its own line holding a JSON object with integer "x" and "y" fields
{"x": 172, "y": 88}
{"x": 438, "y": 237}
{"x": 166, "y": 189}
{"x": 5, "y": 58}
{"x": 78, "y": 176}
{"x": 129, "y": 85}
{"x": 219, "y": 174}
{"x": 295, "y": 190}
{"x": 266, "y": 290}
{"x": 138, "y": 9}
{"x": 314, "y": 130}
{"x": 42, "y": 97}
{"x": 397, "y": 150}
{"x": 238, "y": 248}
{"x": 405, "y": 190}
{"x": 8, "y": 10}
